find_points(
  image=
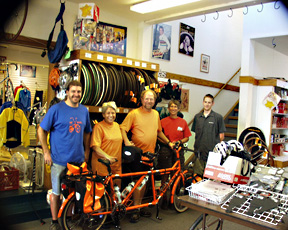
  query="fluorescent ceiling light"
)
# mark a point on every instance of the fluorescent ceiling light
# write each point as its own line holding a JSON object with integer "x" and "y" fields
{"x": 155, "y": 5}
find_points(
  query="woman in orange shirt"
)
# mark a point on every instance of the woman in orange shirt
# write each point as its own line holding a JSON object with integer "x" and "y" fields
{"x": 106, "y": 142}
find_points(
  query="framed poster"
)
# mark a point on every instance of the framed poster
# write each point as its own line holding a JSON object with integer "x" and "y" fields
{"x": 186, "y": 39}
{"x": 27, "y": 71}
{"x": 204, "y": 64}
{"x": 110, "y": 39}
{"x": 161, "y": 41}
{"x": 184, "y": 107}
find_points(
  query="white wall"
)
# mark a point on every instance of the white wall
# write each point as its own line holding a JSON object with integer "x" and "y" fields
{"x": 268, "y": 23}
{"x": 260, "y": 61}
{"x": 42, "y": 13}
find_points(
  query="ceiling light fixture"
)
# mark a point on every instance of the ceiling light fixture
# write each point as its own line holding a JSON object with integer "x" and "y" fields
{"x": 155, "y": 5}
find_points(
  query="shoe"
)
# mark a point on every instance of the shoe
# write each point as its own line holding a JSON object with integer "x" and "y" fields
{"x": 55, "y": 226}
{"x": 135, "y": 217}
{"x": 145, "y": 213}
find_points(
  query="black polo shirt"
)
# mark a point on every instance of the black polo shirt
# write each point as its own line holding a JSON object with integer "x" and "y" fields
{"x": 207, "y": 130}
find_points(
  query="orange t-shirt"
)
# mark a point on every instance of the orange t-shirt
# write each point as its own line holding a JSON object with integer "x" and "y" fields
{"x": 144, "y": 127}
{"x": 109, "y": 139}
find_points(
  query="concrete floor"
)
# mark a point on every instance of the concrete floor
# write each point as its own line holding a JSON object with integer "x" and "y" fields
{"x": 171, "y": 220}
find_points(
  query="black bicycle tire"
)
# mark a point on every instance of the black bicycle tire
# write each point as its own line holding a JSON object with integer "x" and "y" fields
{"x": 64, "y": 220}
{"x": 179, "y": 192}
{"x": 15, "y": 36}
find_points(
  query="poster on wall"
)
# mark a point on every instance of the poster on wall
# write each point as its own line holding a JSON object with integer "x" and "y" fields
{"x": 27, "y": 71}
{"x": 101, "y": 37}
{"x": 110, "y": 39}
{"x": 204, "y": 63}
{"x": 161, "y": 41}
{"x": 184, "y": 107}
{"x": 186, "y": 39}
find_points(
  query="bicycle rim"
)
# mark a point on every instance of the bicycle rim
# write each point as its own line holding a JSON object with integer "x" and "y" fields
{"x": 14, "y": 25}
{"x": 179, "y": 191}
{"x": 82, "y": 220}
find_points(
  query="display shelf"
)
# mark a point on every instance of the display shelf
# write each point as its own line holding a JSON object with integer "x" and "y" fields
{"x": 113, "y": 59}
{"x": 107, "y": 77}
{"x": 98, "y": 109}
{"x": 279, "y": 143}
{"x": 280, "y": 114}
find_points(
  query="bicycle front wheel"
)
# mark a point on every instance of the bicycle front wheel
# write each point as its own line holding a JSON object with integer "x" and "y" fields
{"x": 73, "y": 219}
{"x": 179, "y": 191}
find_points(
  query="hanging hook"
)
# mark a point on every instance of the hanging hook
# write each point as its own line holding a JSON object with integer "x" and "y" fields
{"x": 231, "y": 13}
{"x": 273, "y": 43}
{"x": 246, "y": 10}
{"x": 275, "y": 5}
{"x": 217, "y": 15}
{"x": 261, "y": 8}
{"x": 204, "y": 18}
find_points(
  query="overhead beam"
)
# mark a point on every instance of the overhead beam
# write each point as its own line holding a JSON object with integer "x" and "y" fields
{"x": 28, "y": 42}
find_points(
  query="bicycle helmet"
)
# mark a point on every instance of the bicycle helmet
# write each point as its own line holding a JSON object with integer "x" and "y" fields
{"x": 223, "y": 149}
{"x": 235, "y": 145}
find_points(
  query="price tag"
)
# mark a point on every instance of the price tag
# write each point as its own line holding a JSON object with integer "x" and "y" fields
{"x": 117, "y": 110}
{"x": 88, "y": 55}
{"x": 144, "y": 65}
{"x": 129, "y": 62}
{"x": 137, "y": 63}
{"x": 109, "y": 58}
{"x": 119, "y": 60}
{"x": 100, "y": 109}
{"x": 126, "y": 110}
{"x": 100, "y": 57}
{"x": 153, "y": 66}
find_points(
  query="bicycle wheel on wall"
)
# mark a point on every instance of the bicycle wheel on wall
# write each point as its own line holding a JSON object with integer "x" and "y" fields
{"x": 15, "y": 23}
{"x": 82, "y": 220}
{"x": 179, "y": 191}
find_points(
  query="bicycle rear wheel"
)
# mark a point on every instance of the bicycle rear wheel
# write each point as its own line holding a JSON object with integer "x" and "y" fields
{"x": 82, "y": 220}
{"x": 15, "y": 23}
{"x": 179, "y": 191}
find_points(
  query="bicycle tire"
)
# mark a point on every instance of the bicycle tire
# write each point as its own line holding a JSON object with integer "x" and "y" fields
{"x": 179, "y": 191}
{"x": 82, "y": 220}
{"x": 19, "y": 19}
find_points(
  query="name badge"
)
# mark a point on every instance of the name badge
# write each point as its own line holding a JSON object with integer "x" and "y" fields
{"x": 179, "y": 129}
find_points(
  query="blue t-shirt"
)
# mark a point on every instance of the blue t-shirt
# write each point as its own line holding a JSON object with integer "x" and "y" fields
{"x": 67, "y": 126}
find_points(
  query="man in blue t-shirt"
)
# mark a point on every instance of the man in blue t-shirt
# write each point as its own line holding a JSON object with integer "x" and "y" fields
{"x": 70, "y": 128}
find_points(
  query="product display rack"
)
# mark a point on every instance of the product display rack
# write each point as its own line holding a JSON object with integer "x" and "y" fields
{"x": 111, "y": 65}
{"x": 279, "y": 120}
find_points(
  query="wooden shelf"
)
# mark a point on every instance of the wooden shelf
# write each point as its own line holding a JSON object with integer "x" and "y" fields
{"x": 279, "y": 143}
{"x": 113, "y": 59}
{"x": 280, "y": 128}
{"x": 98, "y": 109}
{"x": 280, "y": 114}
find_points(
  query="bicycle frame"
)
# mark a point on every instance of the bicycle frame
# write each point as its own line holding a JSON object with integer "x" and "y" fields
{"x": 127, "y": 202}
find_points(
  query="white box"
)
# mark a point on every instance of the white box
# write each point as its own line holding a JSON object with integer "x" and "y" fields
{"x": 229, "y": 172}
{"x": 88, "y": 11}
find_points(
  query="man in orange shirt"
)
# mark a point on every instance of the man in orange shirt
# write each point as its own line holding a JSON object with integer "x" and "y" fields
{"x": 144, "y": 123}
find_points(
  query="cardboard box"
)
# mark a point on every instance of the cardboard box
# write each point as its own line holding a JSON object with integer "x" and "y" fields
{"x": 281, "y": 161}
{"x": 88, "y": 11}
{"x": 229, "y": 172}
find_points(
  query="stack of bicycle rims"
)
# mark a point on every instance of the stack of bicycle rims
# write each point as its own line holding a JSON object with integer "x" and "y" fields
{"x": 102, "y": 83}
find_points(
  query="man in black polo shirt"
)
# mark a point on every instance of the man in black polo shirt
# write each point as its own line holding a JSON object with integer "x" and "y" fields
{"x": 209, "y": 129}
